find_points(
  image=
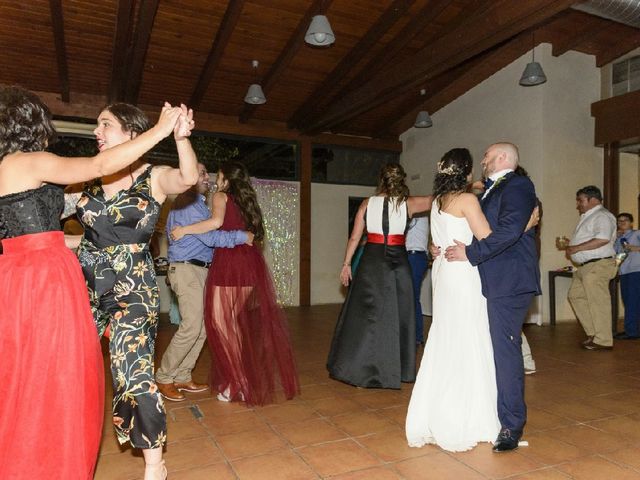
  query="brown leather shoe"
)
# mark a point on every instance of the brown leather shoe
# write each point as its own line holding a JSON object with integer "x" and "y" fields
{"x": 192, "y": 387}
{"x": 170, "y": 392}
{"x": 587, "y": 341}
{"x": 596, "y": 346}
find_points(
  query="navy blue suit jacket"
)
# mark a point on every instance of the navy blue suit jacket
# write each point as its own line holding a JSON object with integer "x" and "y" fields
{"x": 507, "y": 259}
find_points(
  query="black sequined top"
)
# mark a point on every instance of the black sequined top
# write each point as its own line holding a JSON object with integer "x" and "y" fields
{"x": 32, "y": 211}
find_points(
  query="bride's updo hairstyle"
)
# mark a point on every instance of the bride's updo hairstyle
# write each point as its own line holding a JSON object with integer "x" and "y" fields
{"x": 391, "y": 183}
{"x": 451, "y": 175}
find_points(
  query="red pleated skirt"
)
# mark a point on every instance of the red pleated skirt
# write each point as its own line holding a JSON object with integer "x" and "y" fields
{"x": 51, "y": 369}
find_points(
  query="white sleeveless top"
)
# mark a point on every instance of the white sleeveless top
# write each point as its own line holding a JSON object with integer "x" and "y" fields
{"x": 397, "y": 216}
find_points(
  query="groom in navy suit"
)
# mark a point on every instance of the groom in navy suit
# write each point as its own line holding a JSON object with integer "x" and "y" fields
{"x": 508, "y": 266}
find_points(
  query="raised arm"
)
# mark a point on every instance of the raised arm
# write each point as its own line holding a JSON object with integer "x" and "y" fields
{"x": 177, "y": 180}
{"x": 352, "y": 243}
{"x": 417, "y": 204}
{"x": 213, "y": 223}
{"x": 44, "y": 167}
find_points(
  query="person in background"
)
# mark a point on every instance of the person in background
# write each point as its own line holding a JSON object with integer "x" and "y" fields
{"x": 189, "y": 261}
{"x": 417, "y": 245}
{"x": 629, "y": 241}
{"x": 374, "y": 344}
{"x": 591, "y": 249}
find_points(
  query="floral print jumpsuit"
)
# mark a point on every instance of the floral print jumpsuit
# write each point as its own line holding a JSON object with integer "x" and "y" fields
{"x": 115, "y": 258}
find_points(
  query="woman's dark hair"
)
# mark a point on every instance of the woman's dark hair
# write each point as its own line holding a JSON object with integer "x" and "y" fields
{"x": 25, "y": 122}
{"x": 451, "y": 176}
{"x": 245, "y": 196}
{"x": 130, "y": 117}
{"x": 391, "y": 182}
{"x": 626, "y": 215}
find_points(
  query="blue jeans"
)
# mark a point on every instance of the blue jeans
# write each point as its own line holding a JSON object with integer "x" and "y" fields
{"x": 419, "y": 264}
{"x": 630, "y": 290}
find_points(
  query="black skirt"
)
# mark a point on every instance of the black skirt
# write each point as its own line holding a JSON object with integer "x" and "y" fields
{"x": 374, "y": 343}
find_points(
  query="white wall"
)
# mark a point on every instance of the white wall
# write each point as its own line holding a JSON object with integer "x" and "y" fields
{"x": 630, "y": 185}
{"x": 553, "y": 128}
{"x": 329, "y": 234}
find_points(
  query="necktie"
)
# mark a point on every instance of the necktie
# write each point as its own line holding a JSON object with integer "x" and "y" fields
{"x": 487, "y": 183}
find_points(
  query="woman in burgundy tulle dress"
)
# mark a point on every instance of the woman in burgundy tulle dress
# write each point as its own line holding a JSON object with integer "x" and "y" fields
{"x": 246, "y": 330}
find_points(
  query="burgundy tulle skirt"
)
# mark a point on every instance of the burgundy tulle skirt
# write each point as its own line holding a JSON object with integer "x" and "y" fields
{"x": 247, "y": 331}
{"x": 51, "y": 369}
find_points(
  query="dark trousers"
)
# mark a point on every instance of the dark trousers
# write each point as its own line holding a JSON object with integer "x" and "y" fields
{"x": 630, "y": 290}
{"x": 419, "y": 263}
{"x": 506, "y": 316}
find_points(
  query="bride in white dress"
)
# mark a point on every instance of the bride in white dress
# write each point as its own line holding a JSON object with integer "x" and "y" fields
{"x": 454, "y": 399}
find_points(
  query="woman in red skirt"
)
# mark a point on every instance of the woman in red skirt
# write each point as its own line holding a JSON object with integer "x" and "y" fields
{"x": 51, "y": 370}
{"x": 246, "y": 329}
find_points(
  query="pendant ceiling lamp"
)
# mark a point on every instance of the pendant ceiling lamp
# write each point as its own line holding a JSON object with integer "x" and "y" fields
{"x": 533, "y": 74}
{"x": 255, "y": 95}
{"x": 319, "y": 32}
{"x": 423, "y": 120}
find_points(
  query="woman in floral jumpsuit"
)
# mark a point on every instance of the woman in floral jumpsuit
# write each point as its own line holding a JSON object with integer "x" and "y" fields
{"x": 119, "y": 214}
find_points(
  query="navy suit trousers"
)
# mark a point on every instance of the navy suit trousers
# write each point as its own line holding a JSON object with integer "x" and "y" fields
{"x": 506, "y": 316}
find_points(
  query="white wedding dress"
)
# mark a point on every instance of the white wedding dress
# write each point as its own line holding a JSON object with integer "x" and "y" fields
{"x": 454, "y": 399}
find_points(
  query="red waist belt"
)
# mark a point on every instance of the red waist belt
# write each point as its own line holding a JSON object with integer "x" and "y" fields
{"x": 391, "y": 239}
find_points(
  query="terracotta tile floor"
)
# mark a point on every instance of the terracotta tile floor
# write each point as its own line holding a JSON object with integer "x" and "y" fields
{"x": 584, "y": 422}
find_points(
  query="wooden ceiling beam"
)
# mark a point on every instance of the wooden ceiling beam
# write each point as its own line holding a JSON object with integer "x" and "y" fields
{"x": 330, "y": 84}
{"x": 146, "y": 17}
{"x": 627, "y": 43}
{"x": 119, "y": 54}
{"x": 223, "y": 35}
{"x": 57, "y": 22}
{"x": 446, "y": 88}
{"x": 296, "y": 40}
{"x": 576, "y": 38}
{"x": 501, "y": 20}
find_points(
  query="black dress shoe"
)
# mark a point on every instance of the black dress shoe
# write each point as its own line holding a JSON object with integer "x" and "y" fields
{"x": 506, "y": 441}
{"x": 597, "y": 346}
{"x": 624, "y": 336}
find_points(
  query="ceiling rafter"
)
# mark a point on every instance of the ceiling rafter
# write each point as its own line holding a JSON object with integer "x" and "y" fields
{"x": 456, "y": 82}
{"x": 576, "y": 38}
{"x": 57, "y": 22}
{"x": 142, "y": 35}
{"x": 630, "y": 42}
{"x": 120, "y": 50}
{"x": 296, "y": 40}
{"x": 326, "y": 89}
{"x": 223, "y": 35}
{"x": 501, "y": 20}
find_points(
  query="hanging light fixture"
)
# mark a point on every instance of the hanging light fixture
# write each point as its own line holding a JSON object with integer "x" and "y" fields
{"x": 255, "y": 95}
{"x": 319, "y": 32}
{"x": 423, "y": 120}
{"x": 533, "y": 73}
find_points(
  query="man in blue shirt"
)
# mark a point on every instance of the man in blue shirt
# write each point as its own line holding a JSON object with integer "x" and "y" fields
{"x": 189, "y": 260}
{"x": 629, "y": 241}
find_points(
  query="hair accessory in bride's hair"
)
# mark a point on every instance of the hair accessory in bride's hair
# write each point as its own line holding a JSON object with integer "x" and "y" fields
{"x": 450, "y": 170}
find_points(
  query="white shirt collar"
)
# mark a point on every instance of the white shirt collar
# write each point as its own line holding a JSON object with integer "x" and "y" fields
{"x": 496, "y": 175}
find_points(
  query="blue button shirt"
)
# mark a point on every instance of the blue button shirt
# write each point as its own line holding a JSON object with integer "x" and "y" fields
{"x": 632, "y": 262}
{"x": 198, "y": 247}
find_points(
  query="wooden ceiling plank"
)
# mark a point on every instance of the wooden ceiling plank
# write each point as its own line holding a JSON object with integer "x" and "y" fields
{"x": 330, "y": 83}
{"x": 624, "y": 46}
{"x": 57, "y": 22}
{"x": 576, "y": 38}
{"x": 223, "y": 35}
{"x": 121, "y": 39}
{"x": 461, "y": 80}
{"x": 296, "y": 40}
{"x": 146, "y": 17}
{"x": 501, "y": 20}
